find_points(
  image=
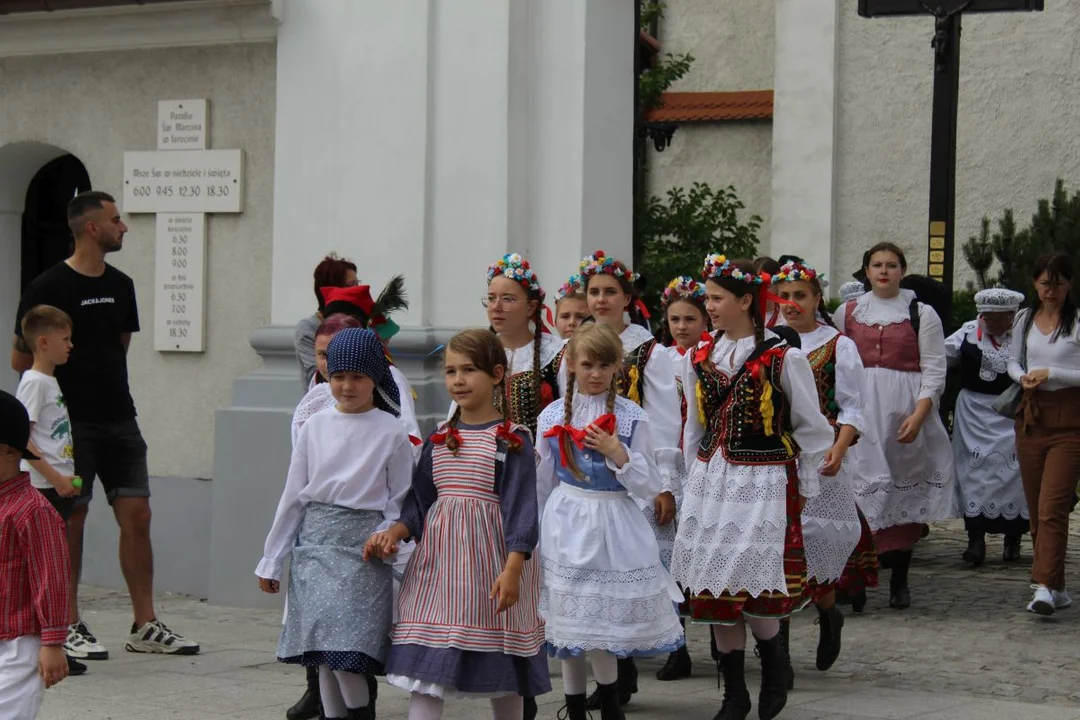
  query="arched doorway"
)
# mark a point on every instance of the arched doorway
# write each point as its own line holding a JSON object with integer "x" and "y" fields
{"x": 46, "y": 239}
{"x": 43, "y": 167}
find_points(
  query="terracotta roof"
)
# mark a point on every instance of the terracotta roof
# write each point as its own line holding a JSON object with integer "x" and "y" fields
{"x": 688, "y": 107}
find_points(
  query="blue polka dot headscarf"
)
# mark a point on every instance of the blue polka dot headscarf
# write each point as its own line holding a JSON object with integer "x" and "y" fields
{"x": 360, "y": 351}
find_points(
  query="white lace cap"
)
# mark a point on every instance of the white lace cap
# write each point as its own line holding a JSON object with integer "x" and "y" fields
{"x": 997, "y": 300}
{"x": 851, "y": 290}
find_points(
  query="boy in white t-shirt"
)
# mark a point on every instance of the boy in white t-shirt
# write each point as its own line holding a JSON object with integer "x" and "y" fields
{"x": 47, "y": 331}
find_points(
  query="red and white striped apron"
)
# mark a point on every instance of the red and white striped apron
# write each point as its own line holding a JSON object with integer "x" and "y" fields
{"x": 444, "y": 600}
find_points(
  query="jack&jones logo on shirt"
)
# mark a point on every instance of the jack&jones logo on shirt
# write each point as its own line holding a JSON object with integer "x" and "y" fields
{"x": 97, "y": 301}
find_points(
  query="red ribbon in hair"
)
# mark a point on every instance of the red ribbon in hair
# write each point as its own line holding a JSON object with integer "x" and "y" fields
{"x": 439, "y": 438}
{"x": 417, "y": 442}
{"x": 549, "y": 318}
{"x": 766, "y": 295}
{"x": 640, "y": 305}
{"x": 604, "y": 423}
{"x": 704, "y": 351}
{"x": 506, "y": 432}
{"x": 764, "y": 360}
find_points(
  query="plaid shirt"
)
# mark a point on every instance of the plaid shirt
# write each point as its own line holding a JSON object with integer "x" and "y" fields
{"x": 33, "y": 565}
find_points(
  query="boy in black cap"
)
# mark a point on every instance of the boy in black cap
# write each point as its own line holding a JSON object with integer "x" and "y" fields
{"x": 34, "y": 587}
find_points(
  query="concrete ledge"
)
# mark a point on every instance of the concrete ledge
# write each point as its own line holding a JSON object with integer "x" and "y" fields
{"x": 179, "y": 530}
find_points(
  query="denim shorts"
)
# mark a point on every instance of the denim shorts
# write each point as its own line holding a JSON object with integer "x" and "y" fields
{"x": 115, "y": 454}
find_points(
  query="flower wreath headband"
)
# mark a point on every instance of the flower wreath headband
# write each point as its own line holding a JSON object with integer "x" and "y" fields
{"x": 572, "y": 286}
{"x": 794, "y": 272}
{"x": 516, "y": 268}
{"x": 600, "y": 264}
{"x": 683, "y": 287}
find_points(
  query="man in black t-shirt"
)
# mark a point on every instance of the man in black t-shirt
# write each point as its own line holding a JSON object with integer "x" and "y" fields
{"x": 108, "y": 444}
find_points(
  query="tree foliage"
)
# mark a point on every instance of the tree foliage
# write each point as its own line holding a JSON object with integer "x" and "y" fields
{"x": 1055, "y": 227}
{"x": 685, "y": 226}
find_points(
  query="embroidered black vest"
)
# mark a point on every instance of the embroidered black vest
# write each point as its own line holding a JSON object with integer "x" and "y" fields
{"x": 971, "y": 360}
{"x": 524, "y": 406}
{"x": 632, "y": 377}
{"x": 823, "y": 363}
{"x": 735, "y": 423}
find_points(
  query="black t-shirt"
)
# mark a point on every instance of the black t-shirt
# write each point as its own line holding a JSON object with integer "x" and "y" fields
{"x": 95, "y": 378}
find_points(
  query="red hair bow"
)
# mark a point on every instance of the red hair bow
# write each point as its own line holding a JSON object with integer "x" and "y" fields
{"x": 450, "y": 431}
{"x": 763, "y": 361}
{"x": 604, "y": 423}
{"x": 506, "y": 432}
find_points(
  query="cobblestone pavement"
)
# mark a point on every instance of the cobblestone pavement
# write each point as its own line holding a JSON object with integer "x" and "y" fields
{"x": 964, "y": 650}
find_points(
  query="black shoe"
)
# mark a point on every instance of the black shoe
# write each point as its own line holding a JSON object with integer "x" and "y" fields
{"x": 363, "y": 713}
{"x": 858, "y": 602}
{"x": 899, "y": 592}
{"x": 830, "y": 623}
{"x": 574, "y": 709}
{"x": 736, "y": 704}
{"x": 309, "y": 705}
{"x": 774, "y": 677}
{"x": 976, "y": 550}
{"x": 1011, "y": 551}
{"x": 75, "y": 668}
{"x": 785, "y": 642}
{"x": 627, "y": 680}
{"x": 610, "y": 701}
{"x": 529, "y": 709}
{"x": 677, "y": 666}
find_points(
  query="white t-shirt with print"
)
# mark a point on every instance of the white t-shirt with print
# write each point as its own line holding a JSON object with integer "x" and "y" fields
{"x": 44, "y": 403}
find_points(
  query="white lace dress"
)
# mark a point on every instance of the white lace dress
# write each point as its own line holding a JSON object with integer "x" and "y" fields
{"x": 603, "y": 585}
{"x": 830, "y": 520}
{"x": 921, "y": 487}
{"x": 734, "y": 517}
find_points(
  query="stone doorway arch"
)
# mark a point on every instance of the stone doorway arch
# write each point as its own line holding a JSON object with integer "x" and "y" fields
{"x": 36, "y": 180}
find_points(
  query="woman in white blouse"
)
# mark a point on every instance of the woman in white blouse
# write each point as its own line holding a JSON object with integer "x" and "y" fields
{"x": 902, "y": 346}
{"x": 1046, "y": 363}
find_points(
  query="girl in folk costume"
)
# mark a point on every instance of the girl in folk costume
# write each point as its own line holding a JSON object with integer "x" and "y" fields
{"x": 989, "y": 489}
{"x": 571, "y": 307}
{"x": 356, "y": 302}
{"x": 902, "y": 347}
{"x": 514, "y": 300}
{"x": 468, "y": 608}
{"x": 648, "y": 379}
{"x": 337, "y": 494}
{"x": 685, "y": 325}
{"x": 605, "y": 593}
{"x": 838, "y": 542}
{"x": 754, "y": 441}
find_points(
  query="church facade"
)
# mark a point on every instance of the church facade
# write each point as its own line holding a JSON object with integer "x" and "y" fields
{"x": 428, "y": 138}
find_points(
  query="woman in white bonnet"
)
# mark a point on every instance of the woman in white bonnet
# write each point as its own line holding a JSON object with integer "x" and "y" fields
{"x": 989, "y": 491}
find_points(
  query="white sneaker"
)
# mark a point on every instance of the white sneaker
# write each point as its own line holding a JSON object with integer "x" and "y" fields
{"x": 1061, "y": 599}
{"x": 154, "y": 637}
{"x": 82, "y": 645}
{"x": 1043, "y": 602}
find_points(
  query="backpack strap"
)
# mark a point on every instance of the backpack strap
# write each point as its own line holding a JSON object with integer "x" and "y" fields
{"x": 913, "y": 314}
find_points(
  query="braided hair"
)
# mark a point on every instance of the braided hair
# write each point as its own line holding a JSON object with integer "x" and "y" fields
{"x": 602, "y": 344}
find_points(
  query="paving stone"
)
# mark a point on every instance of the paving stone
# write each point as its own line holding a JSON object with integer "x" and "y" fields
{"x": 965, "y": 649}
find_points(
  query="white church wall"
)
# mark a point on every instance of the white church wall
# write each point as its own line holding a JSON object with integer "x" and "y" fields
{"x": 1017, "y": 128}
{"x": 96, "y": 106}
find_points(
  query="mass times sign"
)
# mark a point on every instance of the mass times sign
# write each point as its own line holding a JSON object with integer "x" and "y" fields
{"x": 181, "y": 185}
{"x": 208, "y": 181}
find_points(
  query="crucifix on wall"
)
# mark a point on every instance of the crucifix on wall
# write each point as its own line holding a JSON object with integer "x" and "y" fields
{"x": 946, "y": 45}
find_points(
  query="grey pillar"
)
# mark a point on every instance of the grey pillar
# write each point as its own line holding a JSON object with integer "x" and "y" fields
{"x": 252, "y": 450}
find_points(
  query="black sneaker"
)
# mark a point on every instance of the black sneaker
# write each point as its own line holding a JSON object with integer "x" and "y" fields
{"x": 75, "y": 667}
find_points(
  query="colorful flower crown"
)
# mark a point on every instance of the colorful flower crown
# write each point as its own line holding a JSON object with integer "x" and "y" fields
{"x": 683, "y": 287}
{"x": 600, "y": 264}
{"x": 516, "y": 268}
{"x": 572, "y": 286}
{"x": 718, "y": 266}
{"x": 794, "y": 271}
